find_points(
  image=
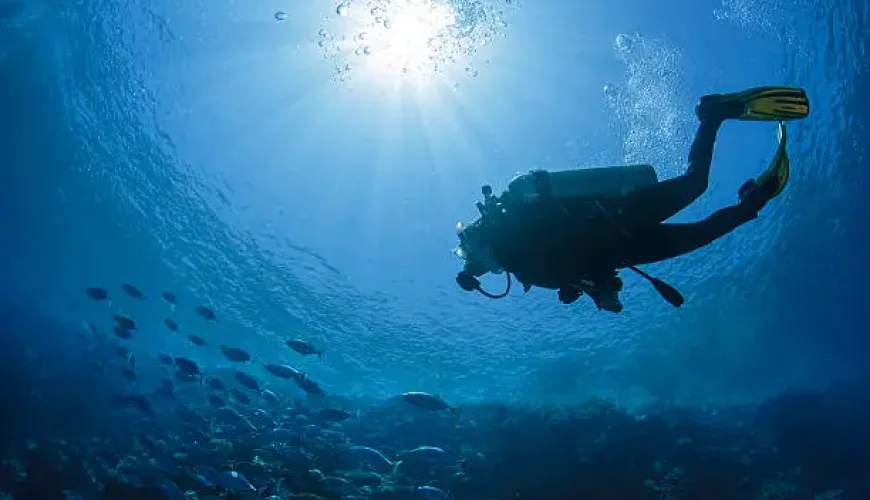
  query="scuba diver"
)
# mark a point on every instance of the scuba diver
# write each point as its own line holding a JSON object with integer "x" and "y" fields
{"x": 572, "y": 231}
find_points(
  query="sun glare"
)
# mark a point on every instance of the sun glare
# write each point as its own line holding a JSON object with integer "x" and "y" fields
{"x": 409, "y": 38}
{"x": 403, "y": 36}
{"x": 412, "y": 40}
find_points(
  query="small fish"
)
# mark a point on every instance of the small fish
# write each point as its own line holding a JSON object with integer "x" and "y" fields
{"x": 284, "y": 371}
{"x": 372, "y": 458}
{"x": 165, "y": 359}
{"x": 339, "y": 486}
{"x": 171, "y": 324}
{"x": 215, "y": 384}
{"x": 169, "y": 297}
{"x": 309, "y": 386}
{"x": 97, "y": 293}
{"x": 216, "y": 401}
{"x": 122, "y": 333}
{"x": 232, "y": 417}
{"x": 124, "y": 322}
{"x": 269, "y": 397}
{"x": 331, "y": 415}
{"x": 204, "y": 481}
{"x": 206, "y": 313}
{"x": 430, "y": 454}
{"x": 431, "y": 493}
{"x": 247, "y": 381}
{"x": 197, "y": 340}
{"x": 188, "y": 367}
{"x": 132, "y": 291}
{"x": 235, "y": 354}
{"x": 427, "y": 401}
{"x": 236, "y": 482}
{"x": 128, "y": 373}
{"x": 241, "y": 397}
{"x": 304, "y": 348}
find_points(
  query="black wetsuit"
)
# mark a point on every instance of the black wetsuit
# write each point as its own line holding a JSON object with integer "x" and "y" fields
{"x": 556, "y": 243}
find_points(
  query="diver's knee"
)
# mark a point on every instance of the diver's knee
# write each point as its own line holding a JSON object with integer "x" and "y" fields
{"x": 693, "y": 183}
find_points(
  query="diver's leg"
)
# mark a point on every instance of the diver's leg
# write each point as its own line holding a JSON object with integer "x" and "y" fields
{"x": 666, "y": 241}
{"x": 662, "y": 200}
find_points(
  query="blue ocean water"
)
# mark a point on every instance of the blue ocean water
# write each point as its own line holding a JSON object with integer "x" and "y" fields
{"x": 296, "y": 169}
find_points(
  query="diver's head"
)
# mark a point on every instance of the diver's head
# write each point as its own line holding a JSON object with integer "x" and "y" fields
{"x": 475, "y": 250}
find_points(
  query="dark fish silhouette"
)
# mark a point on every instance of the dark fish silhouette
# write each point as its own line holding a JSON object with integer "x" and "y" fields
{"x": 247, "y": 381}
{"x": 165, "y": 359}
{"x": 169, "y": 297}
{"x": 331, "y": 415}
{"x": 132, "y": 291}
{"x": 171, "y": 324}
{"x": 304, "y": 348}
{"x": 124, "y": 322}
{"x": 97, "y": 293}
{"x": 215, "y": 384}
{"x": 206, "y": 313}
{"x": 235, "y": 354}
{"x": 197, "y": 340}
{"x": 189, "y": 369}
{"x": 284, "y": 371}
{"x": 309, "y": 386}
{"x": 269, "y": 397}
{"x": 241, "y": 397}
{"x": 427, "y": 401}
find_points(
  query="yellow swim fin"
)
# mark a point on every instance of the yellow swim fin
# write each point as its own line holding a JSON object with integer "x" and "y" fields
{"x": 757, "y": 104}
{"x": 773, "y": 180}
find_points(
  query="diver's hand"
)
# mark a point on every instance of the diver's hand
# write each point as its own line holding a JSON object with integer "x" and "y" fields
{"x": 569, "y": 294}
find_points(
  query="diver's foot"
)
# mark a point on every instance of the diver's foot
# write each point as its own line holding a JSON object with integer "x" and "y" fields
{"x": 754, "y": 195}
{"x": 715, "y": 107}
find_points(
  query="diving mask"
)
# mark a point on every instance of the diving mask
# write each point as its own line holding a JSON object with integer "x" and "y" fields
{"x": 475, "y": 250}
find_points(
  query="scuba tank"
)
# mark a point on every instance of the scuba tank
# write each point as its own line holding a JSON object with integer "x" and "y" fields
{"x": 579, "y": 184}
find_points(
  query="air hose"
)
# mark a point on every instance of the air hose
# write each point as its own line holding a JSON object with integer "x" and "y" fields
{"x": 469, "y": 283}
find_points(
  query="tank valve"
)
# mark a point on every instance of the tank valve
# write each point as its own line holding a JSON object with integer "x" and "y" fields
{"x": 486, "y": 190}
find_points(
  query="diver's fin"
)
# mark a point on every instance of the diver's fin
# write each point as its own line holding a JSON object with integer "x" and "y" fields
{"x": 756, "y": 104}
{"x": 668, "y": 292}
{"x": 770, "y": 183}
